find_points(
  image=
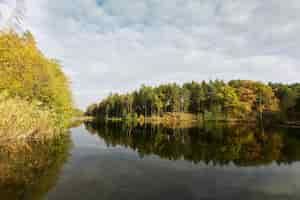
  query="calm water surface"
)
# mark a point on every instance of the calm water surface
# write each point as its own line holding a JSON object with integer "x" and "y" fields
{"x": 118, "y": 162}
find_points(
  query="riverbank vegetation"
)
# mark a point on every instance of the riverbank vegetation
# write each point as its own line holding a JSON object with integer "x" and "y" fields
{"x": 22, "y": 119}
{"x": 236, "y": 100}
{"x": 35, "y": 99}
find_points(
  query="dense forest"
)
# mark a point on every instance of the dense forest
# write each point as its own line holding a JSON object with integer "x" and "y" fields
{"x": 34, "y": 92}
{"x": 236, "y": 99}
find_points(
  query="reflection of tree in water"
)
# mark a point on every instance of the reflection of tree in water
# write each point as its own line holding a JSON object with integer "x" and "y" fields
{"x": 31, "y": 172}
{"x": 212, "y": 144}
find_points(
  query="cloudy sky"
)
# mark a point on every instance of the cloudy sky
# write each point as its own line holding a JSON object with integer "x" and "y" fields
{"x": 116, "y": 45}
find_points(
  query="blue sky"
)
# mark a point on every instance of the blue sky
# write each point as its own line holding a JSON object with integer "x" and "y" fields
{"x": 116, "y": 45}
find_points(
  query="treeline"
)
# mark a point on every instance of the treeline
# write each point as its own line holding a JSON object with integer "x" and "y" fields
{"x": 34, "y": 92}
{"x": 236, "y": 99}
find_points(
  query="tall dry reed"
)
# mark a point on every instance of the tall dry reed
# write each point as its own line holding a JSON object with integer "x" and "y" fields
{"x": 22, "y": 121}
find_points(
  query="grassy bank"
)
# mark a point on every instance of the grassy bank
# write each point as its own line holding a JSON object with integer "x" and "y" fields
{"x": 188, "y": 120}
{"x": 23, "y": 121}
{"x": 178, "y": 119}
{"x": 183, "y": 120}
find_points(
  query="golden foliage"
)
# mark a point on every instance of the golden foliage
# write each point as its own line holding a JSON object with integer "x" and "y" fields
{"x": 27, "y": 74}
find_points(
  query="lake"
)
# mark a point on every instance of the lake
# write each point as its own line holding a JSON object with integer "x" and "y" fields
{"x": 117, "y": 161}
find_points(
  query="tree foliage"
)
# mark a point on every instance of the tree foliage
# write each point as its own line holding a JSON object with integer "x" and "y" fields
{"x": 238, "y": 99}
{"x": 27, "y": 74}
{"x": 289, "y": 99}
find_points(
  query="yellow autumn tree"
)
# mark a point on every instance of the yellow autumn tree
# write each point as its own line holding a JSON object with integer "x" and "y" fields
{"x": 27, "y": 75}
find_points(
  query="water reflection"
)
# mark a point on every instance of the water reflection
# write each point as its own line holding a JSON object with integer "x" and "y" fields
{"x": 212, "y": 144}
{"x": 30, "y": 172}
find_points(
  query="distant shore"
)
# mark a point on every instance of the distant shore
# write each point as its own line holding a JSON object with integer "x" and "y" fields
{"x": 183, "y": 120}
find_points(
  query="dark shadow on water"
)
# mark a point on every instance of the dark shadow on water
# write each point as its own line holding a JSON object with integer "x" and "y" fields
{"x": 222, "y": 144}
{"x": 29, "y": 173}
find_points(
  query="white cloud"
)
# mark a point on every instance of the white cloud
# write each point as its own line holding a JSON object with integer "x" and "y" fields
{"x": 12, "y": 15}
{"x": 115, "y": 45}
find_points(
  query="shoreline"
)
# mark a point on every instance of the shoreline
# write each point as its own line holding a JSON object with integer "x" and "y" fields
{"x": 185, "y": 120}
